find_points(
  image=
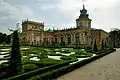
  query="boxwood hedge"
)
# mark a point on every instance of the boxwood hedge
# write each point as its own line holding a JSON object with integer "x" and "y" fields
{"x": 55, "y": 71}
{"x": 50, "y": 75}
{"x": 38, "y": 71}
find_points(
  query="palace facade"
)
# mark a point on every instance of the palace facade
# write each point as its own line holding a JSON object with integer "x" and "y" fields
{"x": 34, "y": 33}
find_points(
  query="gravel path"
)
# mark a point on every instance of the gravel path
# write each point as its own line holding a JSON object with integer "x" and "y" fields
{"x": 106, "y": 68}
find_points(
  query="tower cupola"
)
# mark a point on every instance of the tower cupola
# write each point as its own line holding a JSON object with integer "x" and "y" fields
{"x": 83, "y": 21}
{"x": 83, "y": 13}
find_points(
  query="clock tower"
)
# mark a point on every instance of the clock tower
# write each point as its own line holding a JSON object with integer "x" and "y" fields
{"x": 83, "y": 21}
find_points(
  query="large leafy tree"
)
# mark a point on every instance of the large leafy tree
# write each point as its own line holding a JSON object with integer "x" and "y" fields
{"x": 15, "y": 62}
{"x": 4, "y": 38}
{"x": 8, "y": 39}
{"x": 115, "y": 38}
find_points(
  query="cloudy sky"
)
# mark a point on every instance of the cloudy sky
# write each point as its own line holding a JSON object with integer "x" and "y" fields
{"x": 105, "y": 14}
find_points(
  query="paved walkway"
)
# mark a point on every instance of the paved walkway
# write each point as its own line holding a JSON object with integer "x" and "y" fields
{"x": 106, "y": 68}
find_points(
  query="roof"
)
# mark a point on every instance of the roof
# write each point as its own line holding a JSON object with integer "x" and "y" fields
{"x": 32, "y": 22}
{"x": 63, "y": 30}
{"x": 93, "y": 29}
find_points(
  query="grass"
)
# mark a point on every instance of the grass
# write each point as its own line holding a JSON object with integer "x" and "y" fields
{"x": 44, "y": 61}
{"x": 54, "y": 54}
{"x": 50, "y": 61}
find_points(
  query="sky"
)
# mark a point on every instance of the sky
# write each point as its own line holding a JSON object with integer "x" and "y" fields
{"x": 105, "y": 14}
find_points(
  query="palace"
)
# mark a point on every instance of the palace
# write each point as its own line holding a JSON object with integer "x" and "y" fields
{"x": 34, "y": 33}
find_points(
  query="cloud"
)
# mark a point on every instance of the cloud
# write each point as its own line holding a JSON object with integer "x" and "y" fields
{"x": 103, "y": 13}
{"x": 59, "y": 13}
{"x": 11, "y": 14}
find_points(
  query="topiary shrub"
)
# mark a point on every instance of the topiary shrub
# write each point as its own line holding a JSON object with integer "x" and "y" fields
{"x": 95, "y": 48}
{"x": 29, "y": 67}
{"x": 15, "y": 60}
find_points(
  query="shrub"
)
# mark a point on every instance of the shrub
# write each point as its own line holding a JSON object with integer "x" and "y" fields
{"x": 95, "y": 48}
{"x": 29, "y": 67}
{"x": 87, "y": 54}
{"x": 42, "y": 56}
{"x": 54, "y": 54}
{"x": 66, "y": 58}
{"x": 69, "y": 58}
{"x": 15, "y": 61}
{"x": 80, "y": 56}
{"x": 102, "y": 45}
{"x": 38, "y": 71}
{"x": 4, "y": 50}
{"x": 79, "y": 51}
{"x": 66, "y": 51}
{"x": 89, "y": 50}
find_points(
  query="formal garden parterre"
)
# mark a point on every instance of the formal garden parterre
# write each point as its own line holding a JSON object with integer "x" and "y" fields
{"x": 37, "y": 58}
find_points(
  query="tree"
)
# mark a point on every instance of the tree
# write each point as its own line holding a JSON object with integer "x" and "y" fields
{"x": 95, "y": 49}
{"x": 4, "y": 38}
{"x": 115, "y": 38}
{"x": 105, "y": 44}
{"x": 102, "y": 46}
{"x": 15, "y": 62}
{"x": 0, "y": 37}
{"x": 8, "y": 39}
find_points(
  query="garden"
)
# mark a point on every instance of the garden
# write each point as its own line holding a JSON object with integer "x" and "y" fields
{"x": 39, "y": 60}
{"x": 38, "y": 57}
{"x": 46, "y": 56}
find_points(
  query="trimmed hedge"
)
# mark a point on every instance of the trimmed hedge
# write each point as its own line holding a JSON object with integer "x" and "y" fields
{"x": 4, "y": 58}
{"x": 42, "y": 62}
{"x": 80, "y": 56}
{"x": 55, "y": 71}
{"x": 38, "y": 71}
{"x": 60, "y": 71}
{"x": 54, "y": 54}
{"x": 70, "y": 58}
{"x": 66, "y": 51}
{"x": 29, "y": 67}
{"x": 66, "y": 58}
